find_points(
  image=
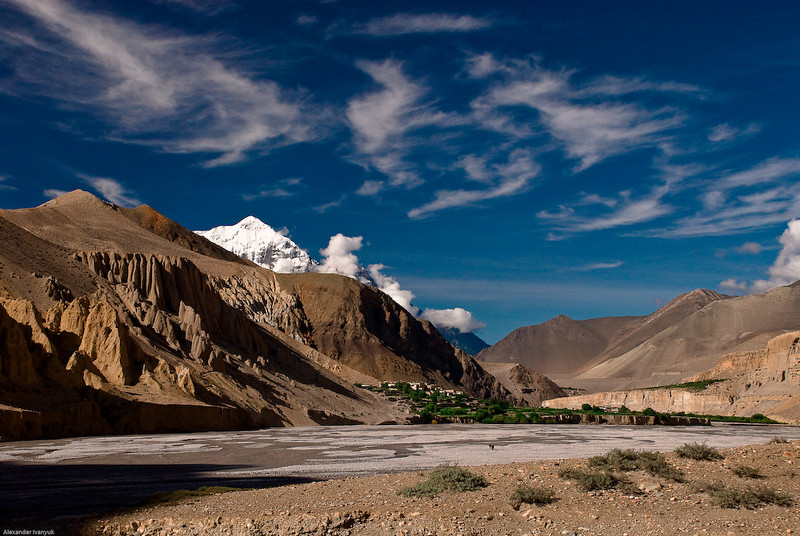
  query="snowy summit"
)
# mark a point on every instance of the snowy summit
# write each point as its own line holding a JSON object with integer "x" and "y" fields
{"x": 254, "y": 240}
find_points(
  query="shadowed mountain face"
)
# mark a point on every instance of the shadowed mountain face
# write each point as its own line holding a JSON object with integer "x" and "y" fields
{"x": 468, "y": 342}
{"x": 121, "y": 321}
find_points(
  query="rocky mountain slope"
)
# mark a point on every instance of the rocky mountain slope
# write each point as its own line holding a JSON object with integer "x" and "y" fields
{"x": 696, "y": 342}
{"x": 524, "y": 383}
{"x": 765, "y": 381}
{"x": 121, "y": 321}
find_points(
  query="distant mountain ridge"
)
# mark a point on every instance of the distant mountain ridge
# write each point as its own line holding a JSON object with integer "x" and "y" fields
{"x": 256, "y": 241}
{"x": 467, "y": 342}
{"x": 566, "y": 347}
{"x": 683, "y": 338}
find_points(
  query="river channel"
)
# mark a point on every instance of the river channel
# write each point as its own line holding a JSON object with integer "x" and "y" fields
{"x": 49, "y": 479}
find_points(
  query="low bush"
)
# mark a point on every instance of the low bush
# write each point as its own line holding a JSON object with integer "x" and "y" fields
{"x": 699, "y": 451}
{"x": 778, "y": 440}
{"x": 750, "y": 498}
{"x": 745, "y": 471}
{"x": 656, "y": 464}
{"x": 531, "y": 495}
{"x": 629, "y": 460}
{"x": 616, "y": 460}
{"x": 448, "y": 479}
{"x": 598, "y": 480}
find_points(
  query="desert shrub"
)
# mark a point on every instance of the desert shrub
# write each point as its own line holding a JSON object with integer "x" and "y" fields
{"x": 616, "y": 460}
{"x": 630, "y": 460}
{"x": 758, "y": 417}
{"x": 624, "y": 409}
{"x": 745, "y": 471}
{"x": 448, "y": 479}
{"x": 778, "y": 440}
{"x": 699, "y": 451}
{"x": 597, "y": 480}
{"x": 656, "y": 464}
{"x": 769, "y": 495}
{"x": 531, "y": 495}
{"x": 649, "y": 411}
{"x": 749, "y": 498}
{"x": 586, "y": 407}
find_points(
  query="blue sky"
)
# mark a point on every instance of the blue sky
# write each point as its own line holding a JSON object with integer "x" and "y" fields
{"x": 518, "y": 160}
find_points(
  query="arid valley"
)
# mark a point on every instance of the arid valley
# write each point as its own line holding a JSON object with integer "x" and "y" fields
{"x": 407, "y": 269}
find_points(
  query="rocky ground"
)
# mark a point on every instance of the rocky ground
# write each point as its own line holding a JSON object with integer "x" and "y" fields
{"x": 371, "y": 505}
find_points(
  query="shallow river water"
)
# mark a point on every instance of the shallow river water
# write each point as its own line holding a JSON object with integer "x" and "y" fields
{"x": 70, "y": 477}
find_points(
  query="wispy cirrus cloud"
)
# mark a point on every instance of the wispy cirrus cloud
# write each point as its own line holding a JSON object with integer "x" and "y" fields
{"x": 727, "y": 133}
{"x": 4, "y": 183}
{"x": 150, "y": 85}
{"x": 111, "y": 189}
{"x": 506, "y": 179}
{"x": 409, "y": 23}
{"x": 583, "y": 117}
{"x": 607, "y": 214}
{"x": 598, "y": 266}
{"x": 746, "y": 200}
{"x": 282, "y": 188}
{"x": 384, "y": 121}
{"x": 205, "y": 7}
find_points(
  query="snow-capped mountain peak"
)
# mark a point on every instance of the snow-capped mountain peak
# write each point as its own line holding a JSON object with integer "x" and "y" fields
{"x": 254, "y": 240}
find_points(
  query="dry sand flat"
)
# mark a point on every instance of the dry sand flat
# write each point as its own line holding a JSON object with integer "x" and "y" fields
{"x": 372, "y": 506}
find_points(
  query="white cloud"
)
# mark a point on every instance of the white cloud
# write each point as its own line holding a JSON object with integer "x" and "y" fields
{"x": 338, "y": 257}
{"x": 739, "y": 214}
{"x": 598, "y": 266}
{"x": 391, "y": 286}
{"x": 153, "y": 86}
{"x": 726, "y": 132}
{"x": 512, "y": 177}
{"x": 457, "y": 318}
{"x": 627, "y": 210}
{"x": 306, "y": 20}
{"x": 4, "y": 183}
{"x": 371, "y": 188}
{"x": 740, "y": 201}
{"x": 323, "y": 208}
{"x": 382, "y": 121}
{"x": 111, "y": 190}
{"x": 586, "y": 120}
{"x": 281, "y": 188}
{"x": 733, "y": 284}
{"x": 765, "y": 172}
{"x": 786, "y": 268}
{"x": 753, "y": 248}
{"x": 207, "y": 7}
{"x": 52, "y": 193}
{"x": 407, "y": 23}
